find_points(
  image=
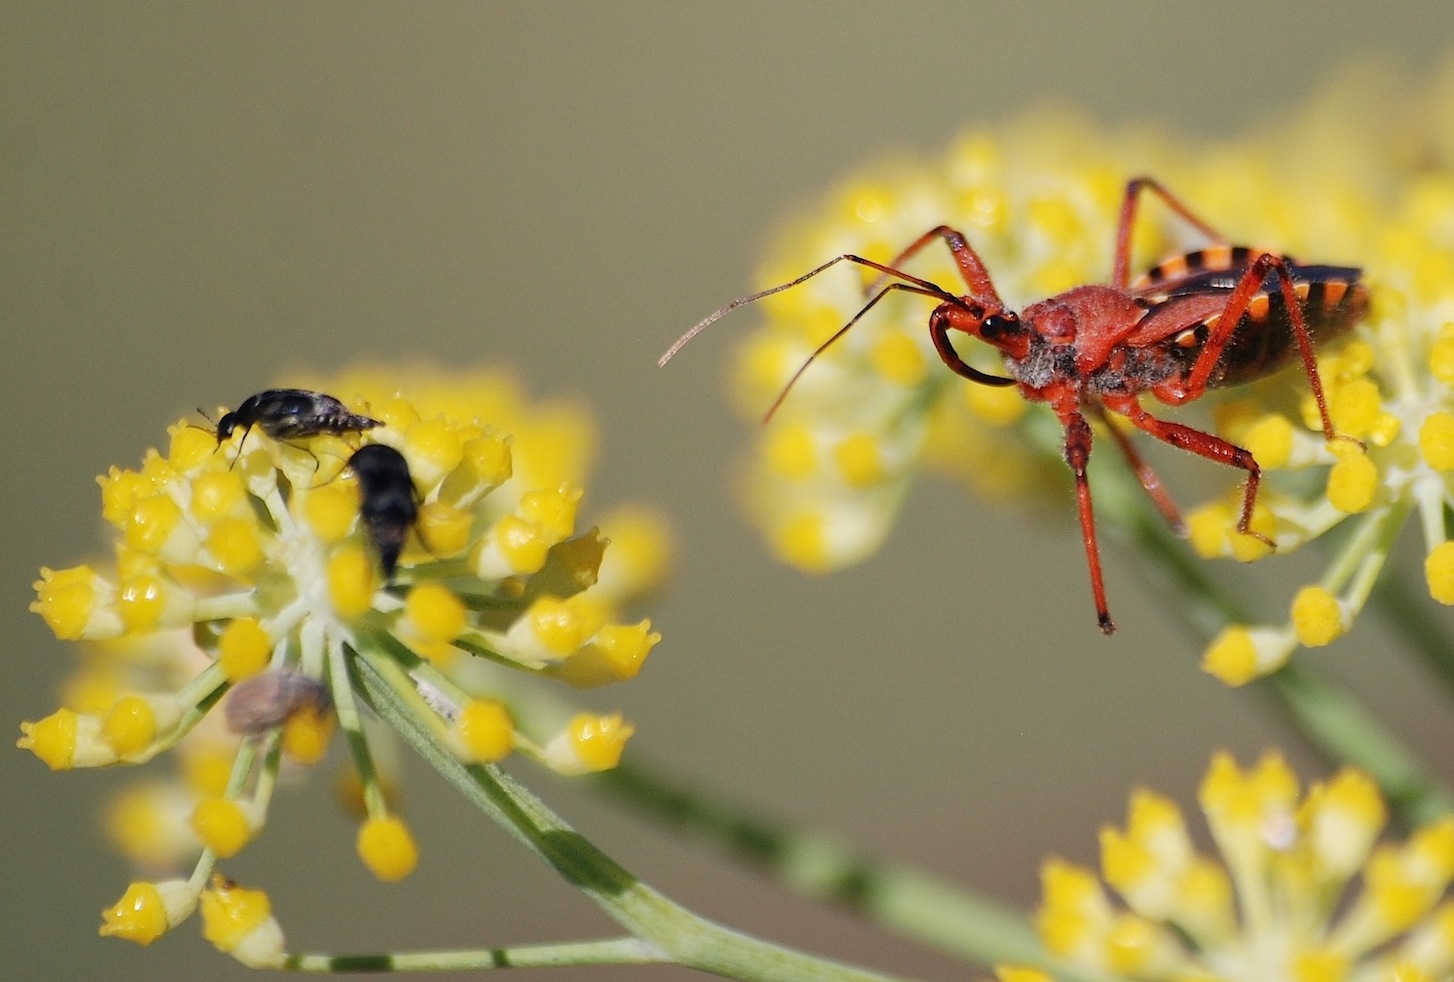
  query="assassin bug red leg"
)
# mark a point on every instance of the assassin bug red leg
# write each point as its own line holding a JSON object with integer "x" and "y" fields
{"x": 1219, "y": 316}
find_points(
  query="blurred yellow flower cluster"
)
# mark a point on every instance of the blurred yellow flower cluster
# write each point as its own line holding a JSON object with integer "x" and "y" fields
{"x": 251, "y": 573}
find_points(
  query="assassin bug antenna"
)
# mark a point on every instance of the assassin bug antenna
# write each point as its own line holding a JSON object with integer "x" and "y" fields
{"x": 1219, "y": 316}
{"x": 908, "y": 284}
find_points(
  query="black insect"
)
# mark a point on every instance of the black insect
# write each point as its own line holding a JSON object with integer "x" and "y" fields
{"x": 390, "y": 502}
{"x": 262, "y": 702}
{"x": 292, "y": 414}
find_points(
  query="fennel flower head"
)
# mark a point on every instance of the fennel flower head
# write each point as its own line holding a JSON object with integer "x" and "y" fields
{"x": 1301, "y": 888}
{"x": 1344, "y": 183}
{"x": 423, "y": 534}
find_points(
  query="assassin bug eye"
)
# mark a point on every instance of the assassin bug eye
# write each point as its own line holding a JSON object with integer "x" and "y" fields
{"x": 998, "y": 325}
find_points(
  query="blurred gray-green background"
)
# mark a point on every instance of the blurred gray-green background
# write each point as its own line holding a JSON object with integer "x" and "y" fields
{"x": 198, "y": 198}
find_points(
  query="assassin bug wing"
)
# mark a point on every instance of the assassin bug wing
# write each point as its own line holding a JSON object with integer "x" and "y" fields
{"x": 1187, "y": 294}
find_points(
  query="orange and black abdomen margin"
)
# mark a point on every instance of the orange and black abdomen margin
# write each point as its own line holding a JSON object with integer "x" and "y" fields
{"x": 1332, "y": 298}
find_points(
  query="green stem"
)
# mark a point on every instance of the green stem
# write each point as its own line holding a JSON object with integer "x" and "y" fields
{"x": 908, "y": 902}
{"x": 617, "y": 951}
{"x": 684, "y": 937}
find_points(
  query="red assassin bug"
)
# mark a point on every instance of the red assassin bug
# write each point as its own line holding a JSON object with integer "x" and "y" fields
{"x": 1216, "y": 317}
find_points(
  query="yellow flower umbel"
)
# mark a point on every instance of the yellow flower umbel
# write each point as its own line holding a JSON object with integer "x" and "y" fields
{"x": 1301, "y": 890}
{"x": 1038, "y": 199}
{"x": 252, "y": 577}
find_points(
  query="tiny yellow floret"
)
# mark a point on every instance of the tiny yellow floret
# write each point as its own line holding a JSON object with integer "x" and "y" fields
{"x": 512, "y": 547}
{"x": 599, "y": 741}
{"x": 445, "y": 528}
{"x": 434, "y": 448}
{"x": 147, "y": 823}
{"x": 1231, "y": 657}
{"x": 140, "y": 600}
{"x": 130, "y": 726}
{"x": 68, "y": 601}
{"x": 151, "y": 522}
{"x": 488, "y": 458}
{"x": 330, "y": 511}
{"x": 996, "y": 405}
{"x": 553, "y": 511}
{"x": 1132, "y": 945}
{"x": 140, "y": 915}
{"x": 1436, "y": 440}
{"x": 306, "y": 734}
{"x": 802, "y": 542}
{"x": 351, "y": 580}
{"x": 1356, "y": 406}
{"x": 222, "y": 825}
{"x": 1249, "y": 548}
{"x": 897, "y": 357}
{"x": 790, "y": 451}
{"x": 1270, "y": 440}
{"x": 217, "y": 494}
{"x": 561, "y": 627}
{"x": 1352, "y": 483}
{"x": 190, "y": 445}
{"x": 860, "y": 462}
{"x": 1439, "y": 572}
{"x": 236, "y": 545}
{"x": 1208, "y": 529}
{"x": 1317, "y": 616}
{"x": 240, "y": 922}
{"x": 434, "y": 613}
{"x": 641, "y": 550}
{"x": 52, "y": 739}
{"x": 625, "y": 646}
{"x": 243, "y": 649}
{"x": 485, "y": 730}
{"x": 387, "y": 848}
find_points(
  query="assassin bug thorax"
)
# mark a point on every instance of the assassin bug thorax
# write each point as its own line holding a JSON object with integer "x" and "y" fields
{"x": 1216, "y": 317}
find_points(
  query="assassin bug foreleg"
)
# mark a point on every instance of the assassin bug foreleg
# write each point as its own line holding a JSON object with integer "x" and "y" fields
{"x": 1215, "y": 317}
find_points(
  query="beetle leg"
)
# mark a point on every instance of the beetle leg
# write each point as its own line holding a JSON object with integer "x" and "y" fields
{"x": 1203, "y": 445}
{"x": 1155, "y": 490}
{"x": 1077, "y": 455}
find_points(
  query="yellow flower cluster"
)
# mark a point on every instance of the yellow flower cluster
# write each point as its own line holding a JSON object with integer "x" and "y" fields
{"x": 1346, "y": 182}
{"x": 250, "y": 573}
{"x": 1302, "y": 889}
